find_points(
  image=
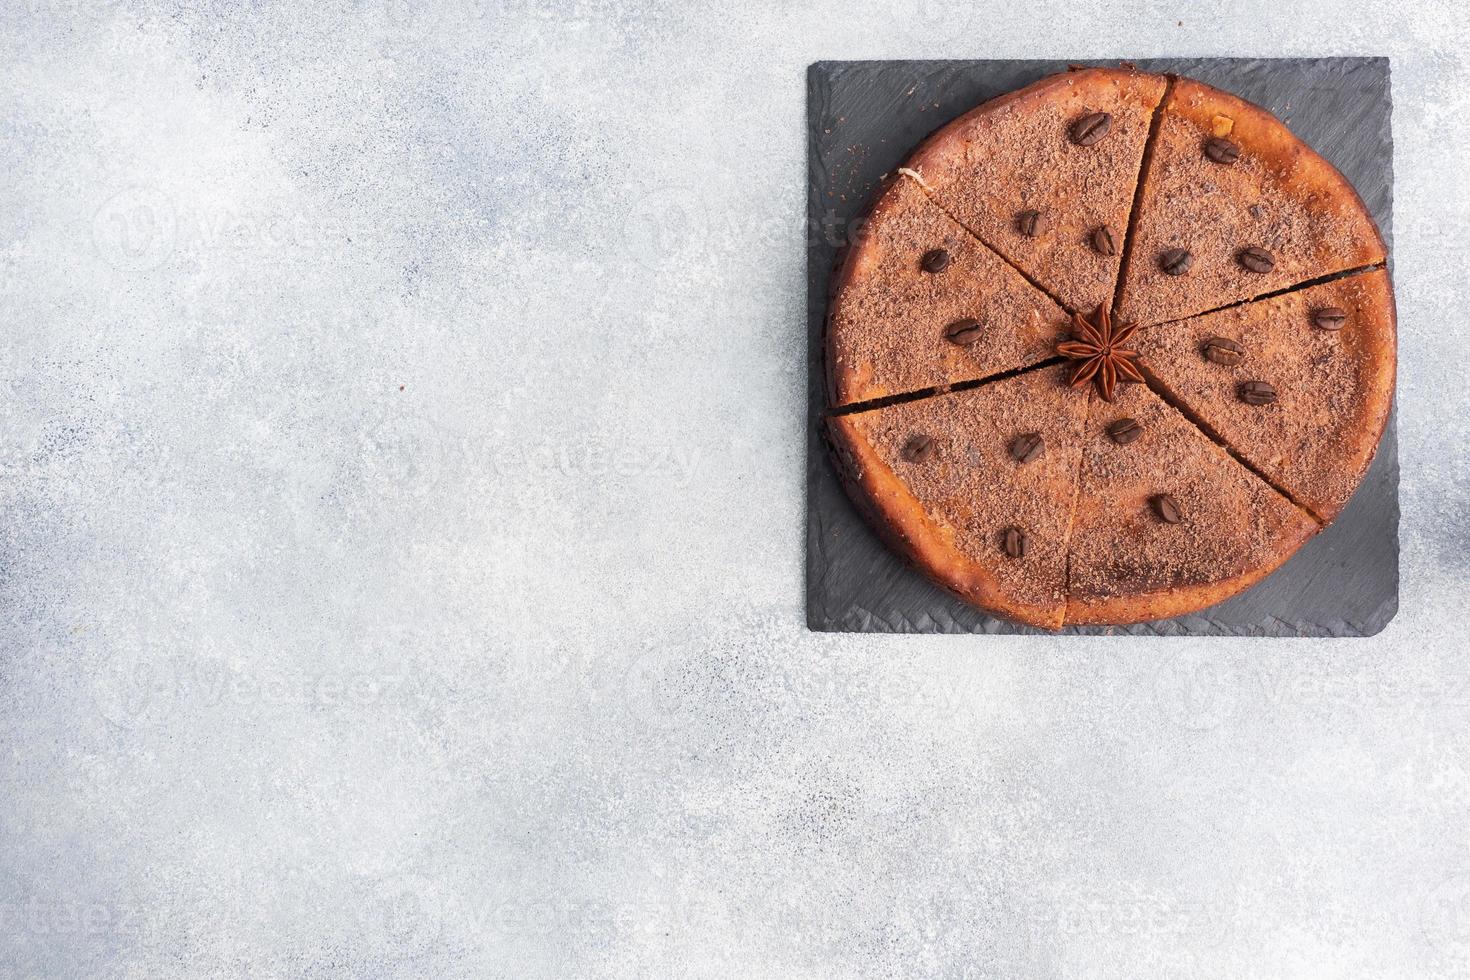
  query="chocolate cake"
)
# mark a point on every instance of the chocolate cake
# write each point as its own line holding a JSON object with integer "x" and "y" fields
{"x": 1067, "y": 425}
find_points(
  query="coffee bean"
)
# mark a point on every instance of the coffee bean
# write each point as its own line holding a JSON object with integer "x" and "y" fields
{"x": 1027, "y": 447}
{"x": 1014, "y": 542}
{"x": 918, "y": 449}
{"x": 1256, "y": 259}
{"x": 1031, "y": 223}
{"x": 965, "y": 331}
{"x": 1125, "y": 431}
{"x": 1167, "y": 508}
{"x": 1103, "y": 240}
{"x": 935, "y": 261}
{"x": 1223, "y": 351}
{"x": 1176, "y": 261}
{"x": 1329, "y": 318}
{"x": 1091, "y": 128}
{"x": 1222, "y": 151}
{"x": 1257, "y": 393}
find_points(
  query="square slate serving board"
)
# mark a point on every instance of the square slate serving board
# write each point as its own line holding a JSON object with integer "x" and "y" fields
{"x": 864, "y": 118}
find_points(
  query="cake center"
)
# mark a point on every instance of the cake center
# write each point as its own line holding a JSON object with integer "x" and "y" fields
{"x": 1097, "y": 347}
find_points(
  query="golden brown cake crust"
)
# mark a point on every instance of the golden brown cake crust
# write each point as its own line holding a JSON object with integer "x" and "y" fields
{"x": 1015, "y": 153}
{"x": 1334, "y": 387}
{"x": 886, "y": 329}
{"x": 1278, "y": 195}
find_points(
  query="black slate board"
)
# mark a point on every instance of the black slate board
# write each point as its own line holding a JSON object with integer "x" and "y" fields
{"x": 864, "y": 118}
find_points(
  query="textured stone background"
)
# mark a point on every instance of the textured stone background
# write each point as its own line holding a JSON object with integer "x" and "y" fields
{"x": 401, "y": 462}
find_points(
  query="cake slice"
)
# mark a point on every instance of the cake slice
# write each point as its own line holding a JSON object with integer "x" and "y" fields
{"x": 1233, "y": 206}
{"x": 1046, "y": 176}
{"x": 1166, "y": 521}
{"x": 920, "y": 303}
{"x": 1327, "y": 353}
{"x": 976, "y": 487}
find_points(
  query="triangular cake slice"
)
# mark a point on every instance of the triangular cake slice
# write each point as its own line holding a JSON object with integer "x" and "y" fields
{"x": 1327, "y": 355}
{"x": 1233, "y": 206}
{"x": 1168, "y": 522}
{"x": 948, "y": 503}
{"x": 1066, "y": 149}
{"x": 900, "y": 324}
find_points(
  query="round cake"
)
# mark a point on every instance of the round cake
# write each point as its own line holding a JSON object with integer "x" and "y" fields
{"x": 1109, "y": 349}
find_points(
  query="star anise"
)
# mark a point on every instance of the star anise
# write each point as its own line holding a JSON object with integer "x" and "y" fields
{"x": 1098, "y": 348}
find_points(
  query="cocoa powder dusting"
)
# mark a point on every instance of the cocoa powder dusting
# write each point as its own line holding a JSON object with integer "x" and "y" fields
{"x": 1015, "y": 155}
{"x": 887, "y": 333}
{"x": 1230, "y": 522}
{"x": 1333, "y": 386}
{"x": 1276, "y": 196}
{"x": 974, "y": 489}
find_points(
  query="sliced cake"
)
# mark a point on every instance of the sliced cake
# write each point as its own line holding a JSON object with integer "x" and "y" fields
{"x": 1046, "y": 175}
{"x": 920, "y": 303}
{"x": 1233, "y": 206}
{"x": 1166, "y": 521}
{"x": 976, "y": 487}
{"x": 1299, "y": 385}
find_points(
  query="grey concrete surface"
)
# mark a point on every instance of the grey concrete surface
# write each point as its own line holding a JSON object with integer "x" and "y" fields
{"x": 401, "y": 462}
